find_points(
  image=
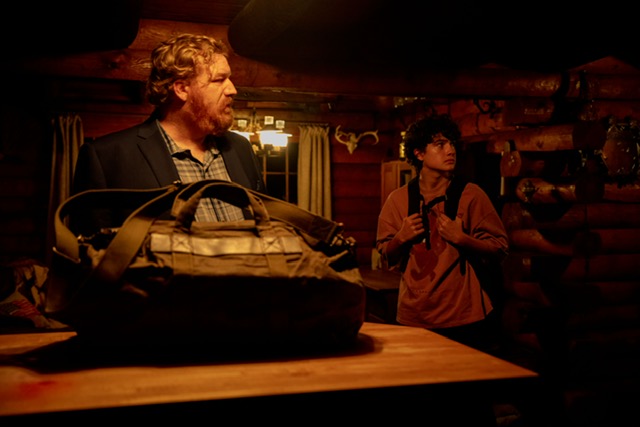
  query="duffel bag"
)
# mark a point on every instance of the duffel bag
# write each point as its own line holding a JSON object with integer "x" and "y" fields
{"x": 287, "y": 277}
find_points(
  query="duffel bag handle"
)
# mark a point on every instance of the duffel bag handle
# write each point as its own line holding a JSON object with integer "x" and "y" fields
{"x": 186, "y": 202}
{"x": 131, "y": 235}
{"x": 316, "y": 227}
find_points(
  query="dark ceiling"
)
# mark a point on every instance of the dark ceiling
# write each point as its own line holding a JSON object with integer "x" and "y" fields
{"x": 539, "y": 35}
{"x": 385, "y": 37}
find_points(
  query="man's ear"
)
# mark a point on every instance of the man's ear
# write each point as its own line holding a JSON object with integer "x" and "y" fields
{"x": 181, "y": 89}
{"x": 419, "y": 154}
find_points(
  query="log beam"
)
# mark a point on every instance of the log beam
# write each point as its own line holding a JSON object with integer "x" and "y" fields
{"x": 574, "y": 136}
{"x": 553, "y": 269}
{"x": 132, "y": 64}
{"x": 516, "y": 215}
{"x": 576, "y": 243}
{"x": 538, "y": 163}
{"x": 629, "y": 193}
{"x": 584, "y": 188}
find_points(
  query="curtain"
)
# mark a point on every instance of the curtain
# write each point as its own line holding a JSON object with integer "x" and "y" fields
{"x": 67, "y": 137}
{"x": 314, "y": 170}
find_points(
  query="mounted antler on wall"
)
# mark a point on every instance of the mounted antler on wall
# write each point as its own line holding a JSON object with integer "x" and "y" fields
{"x": 352, "y": 143}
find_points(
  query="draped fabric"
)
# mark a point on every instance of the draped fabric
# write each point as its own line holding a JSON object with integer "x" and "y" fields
{"x": 314, "y": 170}
{"x": 67, "y": 137}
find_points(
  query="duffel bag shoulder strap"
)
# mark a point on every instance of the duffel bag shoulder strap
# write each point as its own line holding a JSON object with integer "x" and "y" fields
{"x": 66, "y": 242}
{"x": 316, "y": 226}
{"x": 182, "y": 199}
{"x": 126, "y": 244}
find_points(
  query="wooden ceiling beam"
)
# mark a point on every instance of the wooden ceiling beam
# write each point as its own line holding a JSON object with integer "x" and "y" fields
{"x": 132, "y": 64}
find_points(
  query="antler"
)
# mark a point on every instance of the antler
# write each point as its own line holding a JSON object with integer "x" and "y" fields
{"x": 373, "y": 133}
{"x": 352, "y": 143}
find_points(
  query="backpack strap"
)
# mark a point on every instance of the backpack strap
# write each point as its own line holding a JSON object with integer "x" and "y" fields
{"x": 454, "y": 191}
{"x": 451, "y": 197}
{"x": 414, "y": 195}
{"x": 451, "y": 200}
{"x": 415, "y": 199}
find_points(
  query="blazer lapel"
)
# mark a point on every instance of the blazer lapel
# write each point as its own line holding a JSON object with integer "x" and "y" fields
{"x": 155, "y": 151}
{"x": 232, "y": 161}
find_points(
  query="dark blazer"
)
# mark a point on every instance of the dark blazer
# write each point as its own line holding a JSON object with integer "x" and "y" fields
{"x": 138, "y": 158}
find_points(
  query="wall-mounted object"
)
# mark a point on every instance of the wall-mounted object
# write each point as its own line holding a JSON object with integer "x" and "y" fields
{"x": 352, "y": 139}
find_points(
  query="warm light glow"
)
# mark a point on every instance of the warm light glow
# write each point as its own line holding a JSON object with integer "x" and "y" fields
{"x": 270, "y": 138}
{"x": 245, "y": 134}
{"x": 274, "y": 138}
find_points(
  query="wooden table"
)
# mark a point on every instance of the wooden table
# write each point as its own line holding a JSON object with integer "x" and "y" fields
{"x": 46, "y": 374}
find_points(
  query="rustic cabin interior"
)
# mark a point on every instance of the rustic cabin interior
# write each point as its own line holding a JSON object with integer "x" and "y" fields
{"x": 547, "y": 96}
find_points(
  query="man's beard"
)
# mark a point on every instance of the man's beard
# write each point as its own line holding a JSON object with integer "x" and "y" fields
{"x": 215, "y": 125}
{"x": 219, "y": 125}
{"x": 211, "y": 123}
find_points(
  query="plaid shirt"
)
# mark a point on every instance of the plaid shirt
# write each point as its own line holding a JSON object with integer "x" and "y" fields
{"x": 191, "y": 169}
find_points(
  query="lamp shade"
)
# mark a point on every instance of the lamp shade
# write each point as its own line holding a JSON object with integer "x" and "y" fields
{"x": 274, "y": 138}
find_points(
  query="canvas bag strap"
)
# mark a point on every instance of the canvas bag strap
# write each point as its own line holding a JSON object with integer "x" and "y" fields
{"x": 127, "y": 241}
{"x": 66, "y": 242}
{"x": 315, "y": 226}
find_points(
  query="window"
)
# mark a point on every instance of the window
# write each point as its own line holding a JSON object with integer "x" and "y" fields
{"x": 280, "y": 172}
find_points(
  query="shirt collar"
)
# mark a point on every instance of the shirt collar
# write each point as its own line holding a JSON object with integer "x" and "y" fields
{"x": 174, "y": 148}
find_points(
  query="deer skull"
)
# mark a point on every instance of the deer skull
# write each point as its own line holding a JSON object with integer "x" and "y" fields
{"x": 353, "y": 139}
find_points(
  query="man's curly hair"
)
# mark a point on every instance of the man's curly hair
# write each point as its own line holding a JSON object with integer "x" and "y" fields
{"x": 177, "y": 59}
{"x": 421, "y": 132}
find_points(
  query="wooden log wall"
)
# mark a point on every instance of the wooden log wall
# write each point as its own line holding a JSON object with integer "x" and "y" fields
{"x": 572, "y": 210}
{"x": 566, "y": 185}
{"x": 568, "y": 191}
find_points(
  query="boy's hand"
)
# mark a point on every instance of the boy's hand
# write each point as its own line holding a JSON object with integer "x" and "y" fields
{"x": 411, "y": 228}
{"x": 450, "y": 230}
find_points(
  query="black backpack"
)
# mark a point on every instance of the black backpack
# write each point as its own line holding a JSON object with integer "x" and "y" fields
{"x": 451, "y": 199}
{"x": 489, "y": 272}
